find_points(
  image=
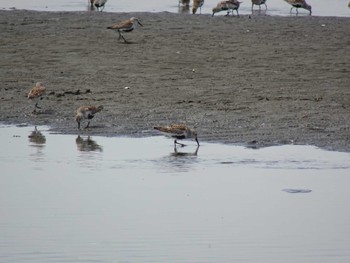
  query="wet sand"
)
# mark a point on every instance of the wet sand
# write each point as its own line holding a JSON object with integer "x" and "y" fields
{"x": 259, "y": 81}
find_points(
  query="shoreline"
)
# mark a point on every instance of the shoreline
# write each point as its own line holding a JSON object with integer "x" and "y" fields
{"x": 237, "y": 80}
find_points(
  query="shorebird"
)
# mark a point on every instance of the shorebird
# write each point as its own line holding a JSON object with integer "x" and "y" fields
{"x": 299, "y": 4}
{"x": 99, "y": 4}
{"x": 227, "y": 6}
{"x": 259, "y": 3}
{"x": 37, "y": 94}
{"x": 197, "y": 4}
{"x": 184, "y": 2}
{"x": 86, "y": 112}
{"x": 179, "y": 132}
{"x": 125, "y": 26}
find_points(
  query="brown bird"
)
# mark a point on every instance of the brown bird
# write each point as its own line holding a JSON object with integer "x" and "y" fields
{"x": 179, "y": 132}
{"x": 125, "y": 26}
{"x": 227, "y": 6}
{"x": 197, "y": 4}
{"x": 299, "y": 4}
{"x": 86, "y": 112}
{"x": 259, "y": 3}
{"x": 37, "y": 94}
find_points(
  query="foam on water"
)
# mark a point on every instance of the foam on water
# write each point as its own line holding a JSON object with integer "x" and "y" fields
{"x": 70, "y": 198}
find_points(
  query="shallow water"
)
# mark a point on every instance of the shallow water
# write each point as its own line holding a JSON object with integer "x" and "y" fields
{"x": 67, "y": 198}
{"x": 275, "y": 7}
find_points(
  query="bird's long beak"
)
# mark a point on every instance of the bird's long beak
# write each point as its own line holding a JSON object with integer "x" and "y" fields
{"x": 139, "y": 23}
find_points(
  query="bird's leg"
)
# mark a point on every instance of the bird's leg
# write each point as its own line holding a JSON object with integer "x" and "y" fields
{"x": 291, "y": 10}
{"x": 197, "y": 142}
{"x": 36, "y": 106}
{"x": 79, "y": 125}
{"x": 87, "y": 126}
{"x": 125, "y": 41}
{"x": 175, "y": 142}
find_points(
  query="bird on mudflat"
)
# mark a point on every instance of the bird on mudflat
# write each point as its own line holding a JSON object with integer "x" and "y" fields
{"x": 125, "y": 26}
{"x": 178, "y": 132}
{"x": 99, "y": 4}
{"x": 197, "y": 4}
{"x": 36, "y": 94}
{"x": 259, "y": 3}
{"x": 299, "y": 4}
{"x": 227, "y": 6}
{"x": 86, "y": 113}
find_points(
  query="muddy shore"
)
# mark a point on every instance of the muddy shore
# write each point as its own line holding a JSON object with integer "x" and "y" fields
{"x": 254, "y": 81}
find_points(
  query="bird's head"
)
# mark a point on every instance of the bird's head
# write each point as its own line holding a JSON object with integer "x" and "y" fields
{"x": 136, "y": 20}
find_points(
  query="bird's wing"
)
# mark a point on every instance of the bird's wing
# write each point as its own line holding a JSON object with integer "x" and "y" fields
{"x": 36, "y": 92}
{"x": 121, "y": 25}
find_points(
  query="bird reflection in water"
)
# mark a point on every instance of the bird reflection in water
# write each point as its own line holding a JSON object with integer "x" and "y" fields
{"x": 87, "y": 145}
{"x": 178, "y": 153}
{"x": 37, "y": 138}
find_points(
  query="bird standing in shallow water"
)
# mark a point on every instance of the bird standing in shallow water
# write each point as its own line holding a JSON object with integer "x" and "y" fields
{"x": 227, "y": 6}
{"x": 37, "y": 94}
{"x": 125, "y": 26}
{"x": 197, "y": 4}
{"x": 179, "y": 132}
{"x": 184, "y": 2}
{"x": 99, "y": 4}
{"x": 86, "y": 112}
{"x": 259, "y": 3}
{"x": 299, "y": 4}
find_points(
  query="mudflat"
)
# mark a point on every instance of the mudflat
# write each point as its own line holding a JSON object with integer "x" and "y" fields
{"x": 257, "y": 80}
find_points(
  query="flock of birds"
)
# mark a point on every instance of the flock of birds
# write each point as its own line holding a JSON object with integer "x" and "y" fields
{"x": 228, "y": 5}
{"x": 231, "y": 5}
{"x": 177, "y": 131}
{"x": 87, "y": 113}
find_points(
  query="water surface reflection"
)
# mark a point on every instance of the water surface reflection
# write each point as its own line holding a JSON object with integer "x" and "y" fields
{"x": 139, "y": 200}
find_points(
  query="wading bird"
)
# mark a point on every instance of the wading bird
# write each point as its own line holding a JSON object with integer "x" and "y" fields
{"x": 259, "y": 3}
{"x": 227, "y": 6}
{"x": 37, "y": 94}
{"x": 299, "y": 4}
{"x": 99, "y": 4}
{"x": 86, "y": 113}
{"x": 197, "y": 4}
{"x": 178, "y": 132}
{"x": 125, "y": 26}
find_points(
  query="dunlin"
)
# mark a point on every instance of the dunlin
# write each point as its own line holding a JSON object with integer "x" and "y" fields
{"x": 179, "y": 132}
{"x": 259, "y": 3}
{"x": 184, "y": 2}
{"x": 299, "y": 4}
{"x": 86, "y": 112}
{"x": 197, "y": 4}
{"x": 227, "y": 6}
{"x": 125, "y": 26}
{"x": 99, "y": 4}
{"x": 37, "y": 94}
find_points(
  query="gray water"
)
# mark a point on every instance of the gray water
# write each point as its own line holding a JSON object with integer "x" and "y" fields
{"x": 70, "y": 198}
{"x": 275, "y": 7}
